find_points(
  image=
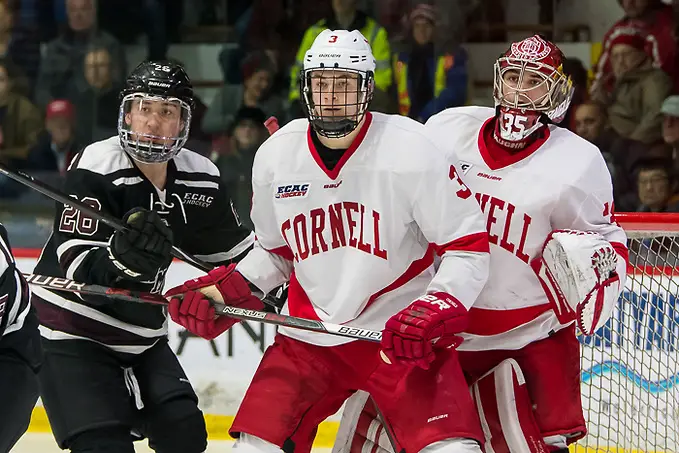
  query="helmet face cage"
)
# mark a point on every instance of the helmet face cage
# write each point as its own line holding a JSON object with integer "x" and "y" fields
{"x": 171, "y": 118}
{"x": 558, "y": 88}
{"x": 351, "y": 102}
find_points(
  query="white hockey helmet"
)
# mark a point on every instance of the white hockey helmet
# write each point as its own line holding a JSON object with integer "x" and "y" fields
{"x": 337, "y": 105}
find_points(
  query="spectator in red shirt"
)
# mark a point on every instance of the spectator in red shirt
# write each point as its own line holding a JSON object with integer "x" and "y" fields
{"x": 655, "y": 20}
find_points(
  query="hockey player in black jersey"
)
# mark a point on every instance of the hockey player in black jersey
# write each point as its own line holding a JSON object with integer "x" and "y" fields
{"x": 108, "y": 368}
{"x": 19, "y": 350}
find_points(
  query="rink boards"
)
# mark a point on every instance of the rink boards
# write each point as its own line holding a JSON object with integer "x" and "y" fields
{"x": 630, "y": 375}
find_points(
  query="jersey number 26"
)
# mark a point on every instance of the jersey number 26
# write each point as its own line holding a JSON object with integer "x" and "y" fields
{"x": 73, "y": 220}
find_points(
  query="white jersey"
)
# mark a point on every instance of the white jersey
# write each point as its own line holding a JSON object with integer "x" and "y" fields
{"x": 559, "y": 182}
{"x": 357, "y": 243}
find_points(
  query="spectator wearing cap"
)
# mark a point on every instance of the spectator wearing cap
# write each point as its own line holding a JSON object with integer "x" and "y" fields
{"x": 20, "y": 120}
{"x": 246, "y": 134}
{"x": 427, "y": 82}
{"x": 57, "y": 144}
{"x": 254, "y": 93}
{"x": 347, "y": 16}
{"x": 670, "y": 125}
{"x": 640, "y": 89}
{"x": 655, "y": 21}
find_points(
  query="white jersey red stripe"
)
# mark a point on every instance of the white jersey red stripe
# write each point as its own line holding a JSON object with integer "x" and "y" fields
{"x": 357, "y": 242}
{"x": 569, "y": 188}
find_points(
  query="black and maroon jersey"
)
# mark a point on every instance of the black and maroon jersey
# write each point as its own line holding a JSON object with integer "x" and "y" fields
{"x": 193, "y": 203}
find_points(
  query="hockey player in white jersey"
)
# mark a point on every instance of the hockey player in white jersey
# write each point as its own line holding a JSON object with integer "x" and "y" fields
{"x": 558, "y": 259}
{"x": 350, "y": 207}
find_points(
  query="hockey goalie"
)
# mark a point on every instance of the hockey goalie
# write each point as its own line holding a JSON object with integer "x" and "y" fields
{"x": 558, "y": 259}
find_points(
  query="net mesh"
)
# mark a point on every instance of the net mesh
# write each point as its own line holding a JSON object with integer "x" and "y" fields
{"x": 630, "y": 371}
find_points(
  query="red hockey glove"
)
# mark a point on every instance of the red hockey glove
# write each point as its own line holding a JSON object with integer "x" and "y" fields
{"x": 196, "y": 313}
{"x": 432, "y": 320}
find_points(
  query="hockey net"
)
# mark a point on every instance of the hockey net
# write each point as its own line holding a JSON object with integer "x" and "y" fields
{"x": 630, "y": 368}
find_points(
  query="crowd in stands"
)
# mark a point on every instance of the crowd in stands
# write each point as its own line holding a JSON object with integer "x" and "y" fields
{"x": 62, "y": 67}
{"x": 632, "y": 104}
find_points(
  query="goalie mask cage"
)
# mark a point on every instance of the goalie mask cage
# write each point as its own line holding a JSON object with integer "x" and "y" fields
{"x": 630, "y": 367}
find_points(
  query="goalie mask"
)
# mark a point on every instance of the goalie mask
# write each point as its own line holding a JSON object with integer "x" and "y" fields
{"x": 337, "y": 82}
{"x": 155, "y": 111}
{"x": 530, "y": 88}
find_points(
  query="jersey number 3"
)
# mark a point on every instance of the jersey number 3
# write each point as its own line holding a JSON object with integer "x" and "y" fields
{"x": 73, "y": 220}
{"x": 464, "y": 191}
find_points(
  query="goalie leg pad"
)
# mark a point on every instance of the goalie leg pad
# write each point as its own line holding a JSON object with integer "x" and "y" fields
{"x": 360, "y": 428}
{"x": 506, "y": 411}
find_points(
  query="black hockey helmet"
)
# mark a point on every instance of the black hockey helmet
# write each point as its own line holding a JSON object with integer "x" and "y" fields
{"x": 155, "y": 111}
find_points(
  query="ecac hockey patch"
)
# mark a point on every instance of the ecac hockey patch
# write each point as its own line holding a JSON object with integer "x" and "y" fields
{"x": 292, "y": 190}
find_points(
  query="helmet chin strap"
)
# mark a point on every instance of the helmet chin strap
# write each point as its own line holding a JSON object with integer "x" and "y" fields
{"x": 334, "y": 128}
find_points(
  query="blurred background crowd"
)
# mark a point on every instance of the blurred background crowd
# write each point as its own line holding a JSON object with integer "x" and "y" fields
{"x": 63, "y": 63}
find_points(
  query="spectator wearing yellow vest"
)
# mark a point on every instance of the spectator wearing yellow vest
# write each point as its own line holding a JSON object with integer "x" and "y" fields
{"x": 346, "y": 16}
{"x": 427, "y": 82}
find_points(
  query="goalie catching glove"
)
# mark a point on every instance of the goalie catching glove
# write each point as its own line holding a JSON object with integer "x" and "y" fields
{"x": 195, "y": 311}
{"x": 577, "y": 271}
{"x": 431, "y": 321}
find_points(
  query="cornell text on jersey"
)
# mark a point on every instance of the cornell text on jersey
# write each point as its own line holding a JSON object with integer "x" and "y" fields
{"x": 339, "y": 225}
{"x": 506, "y": 227}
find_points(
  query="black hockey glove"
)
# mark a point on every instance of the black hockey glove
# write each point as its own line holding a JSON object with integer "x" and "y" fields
{"x": 144, "y": 249}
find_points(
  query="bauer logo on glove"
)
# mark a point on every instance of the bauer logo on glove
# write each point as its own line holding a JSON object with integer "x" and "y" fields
{"x": 577, "y": 271}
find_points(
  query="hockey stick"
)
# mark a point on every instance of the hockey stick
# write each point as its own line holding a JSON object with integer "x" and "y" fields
{"x": 64, "y": 284}
{"x": 114, "y": 223}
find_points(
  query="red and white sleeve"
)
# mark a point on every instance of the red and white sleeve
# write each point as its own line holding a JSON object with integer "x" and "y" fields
{"x": 451, "y": 220}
